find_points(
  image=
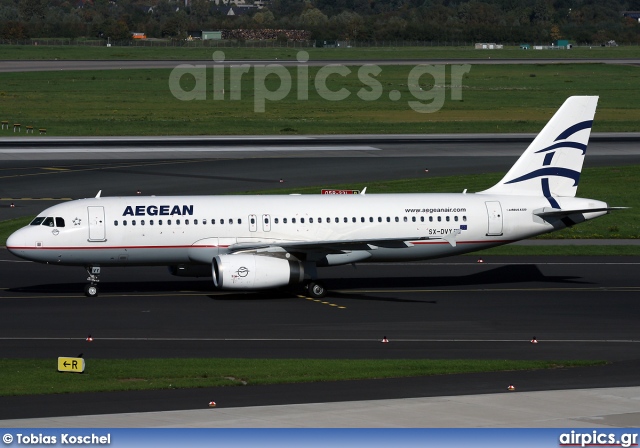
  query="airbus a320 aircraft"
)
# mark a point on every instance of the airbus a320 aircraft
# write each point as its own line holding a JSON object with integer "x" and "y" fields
{"x": 258, "y": 242}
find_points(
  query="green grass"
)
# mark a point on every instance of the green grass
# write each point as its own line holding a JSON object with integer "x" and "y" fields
{"x": 504, "y": 98}
{"x": 195, "y": 51}
{"x": 38, "y": 376}
{"x": 615, "y": 185}
{"x": 9, "y": 226}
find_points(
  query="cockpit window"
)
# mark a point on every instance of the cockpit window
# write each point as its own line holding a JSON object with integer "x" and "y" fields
{"x": 37, "y": 221}
{"x": 59, "y": 222}
{"x": 48, "y": 222}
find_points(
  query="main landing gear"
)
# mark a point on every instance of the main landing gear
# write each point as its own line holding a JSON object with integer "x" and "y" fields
{"x": 316, "y": 290}
{"x": 91, "y": 290}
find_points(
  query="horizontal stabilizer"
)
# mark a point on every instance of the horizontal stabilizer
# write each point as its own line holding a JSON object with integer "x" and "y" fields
{"x": 556, "y": 213}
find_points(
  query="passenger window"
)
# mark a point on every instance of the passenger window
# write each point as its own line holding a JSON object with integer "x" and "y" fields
{"x": 455, "y": 218}
{"x": 168, "y": 222}
{"x": 430, "y": 218}
{"x": 253, "y": 220}
{"x": 151, "y": 222}
{"x": 231, "y": 221}
{"x": 353, "y": 219}
{"x": 320, "y": 220}
{"x": 37, "y": 221}
{"x": 447, "y": 218}
{"x": 124, "y": 223}
{"x": 59, "y": 222}
{"x": 222, "y": 221}
{"x": 405, "y": 219}
{"x": 186, "y": 221}
{"x": 213, "y": 221}
{"x": 346, "y": 219}
{"x": 195, "y": 221}
{"x": 142, "y": 222}
{"x": 397, "y": 219}
{"x": 422, "y": 219}
{"x": 133, "y": 222}
{"x": 464, "y": 218}
{"x": 337, "y": 220}
{"x": 239, "y": 221}
{"x": 204, "y": 221}
{"x": 388, "y": 219}
{"x": 413, "y": 219}
{"x": 379, "y": 218}
{"x": 311, "y": 220}
{"x": 293, "y": 220}
{"x": 115, "y": 223}
{"x": 284, "y": 220}
{"x": 48, "y": 222}
{"x": 439, "y": 218}
{"x": 159, "y": 222}
{"x": 302, "y": 220}
{"x": 274, "y": 220}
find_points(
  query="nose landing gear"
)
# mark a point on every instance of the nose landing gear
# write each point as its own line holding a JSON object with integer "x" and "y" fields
{"x": 91, "y": 290}
{"x": 316, "y": 290}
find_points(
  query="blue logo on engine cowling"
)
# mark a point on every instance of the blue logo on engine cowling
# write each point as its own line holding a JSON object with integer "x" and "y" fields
{"x": 158, "y": 210}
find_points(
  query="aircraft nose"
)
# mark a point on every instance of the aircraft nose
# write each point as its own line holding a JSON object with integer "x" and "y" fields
{"x": 15, "y": 241}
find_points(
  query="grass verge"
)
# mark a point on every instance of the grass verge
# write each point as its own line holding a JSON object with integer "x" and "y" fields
{"x": 495, "y": 98}
{"x": 38, "y": 376}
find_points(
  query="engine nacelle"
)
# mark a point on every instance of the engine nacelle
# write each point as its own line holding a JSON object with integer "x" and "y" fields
{"x": 244, "y": 271}
{"x": 190, "y": 270}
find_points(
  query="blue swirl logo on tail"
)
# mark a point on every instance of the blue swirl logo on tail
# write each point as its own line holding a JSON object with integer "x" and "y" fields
{"x": 547, "y": 170}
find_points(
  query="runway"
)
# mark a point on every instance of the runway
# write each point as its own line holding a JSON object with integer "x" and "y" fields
{"x": 578, "y": 308}
{"x": 29, "y": 66}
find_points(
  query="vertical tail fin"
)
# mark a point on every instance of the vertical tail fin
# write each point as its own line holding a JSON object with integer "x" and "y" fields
{"x": 552, "y": 163}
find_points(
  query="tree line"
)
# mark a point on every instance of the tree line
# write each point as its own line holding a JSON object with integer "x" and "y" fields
{"x": 530, "y": 21}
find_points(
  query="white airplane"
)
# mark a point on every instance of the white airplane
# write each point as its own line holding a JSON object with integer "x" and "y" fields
{"x": 258, "y": 242}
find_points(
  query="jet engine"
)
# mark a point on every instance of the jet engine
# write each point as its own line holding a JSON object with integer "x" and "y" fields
{"x": 245, "y": 271}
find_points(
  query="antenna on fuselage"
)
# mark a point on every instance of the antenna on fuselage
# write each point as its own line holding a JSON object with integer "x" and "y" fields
{"x": 99, "y": 193}
{"x": 364, "y": 190}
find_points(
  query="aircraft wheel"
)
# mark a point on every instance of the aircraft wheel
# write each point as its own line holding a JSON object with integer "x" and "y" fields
{"x": 91, "y": 291}
{"x": 316, "y": 290}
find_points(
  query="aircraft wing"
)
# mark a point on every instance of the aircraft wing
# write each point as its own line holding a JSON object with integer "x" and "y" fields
{"x": 337, "y": 246}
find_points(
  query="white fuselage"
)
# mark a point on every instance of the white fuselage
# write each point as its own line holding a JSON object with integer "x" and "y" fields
{"x": 193, "y": 229}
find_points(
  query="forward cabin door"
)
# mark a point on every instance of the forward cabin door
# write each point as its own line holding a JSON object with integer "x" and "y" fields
{"x": 97, "y": 230}
{"x": 494, "y": 212}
